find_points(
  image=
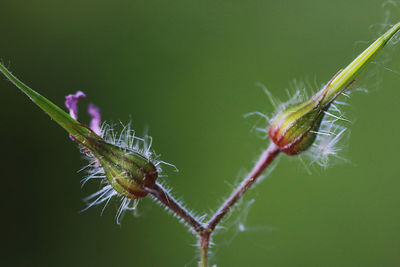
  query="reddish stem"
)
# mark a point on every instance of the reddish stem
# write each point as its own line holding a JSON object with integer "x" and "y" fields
{"x": 206, "y": 232}
{"x": 158, "y": 192}
{"x": 265, "y": 159}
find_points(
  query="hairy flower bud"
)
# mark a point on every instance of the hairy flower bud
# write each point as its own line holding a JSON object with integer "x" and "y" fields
{"x": 127, "y": 171}
{"x": 295, "y": 129}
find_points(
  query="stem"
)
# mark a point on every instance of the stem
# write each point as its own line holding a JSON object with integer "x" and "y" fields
{"x": 206, "y": 232}
{"x": 162, "y": 195}
{"x": 204, "y": 244}
{"x": 265, "y": 159}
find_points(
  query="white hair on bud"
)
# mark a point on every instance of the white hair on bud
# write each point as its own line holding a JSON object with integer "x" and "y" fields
{"x": 332, "y": 129}
{"x": 295, "y": 96}
{"x": 128, "y": 141}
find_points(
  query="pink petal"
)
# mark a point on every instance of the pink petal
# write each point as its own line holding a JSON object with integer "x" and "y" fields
{"x": 94, "y": 112}
{"x": 71, "y": 102}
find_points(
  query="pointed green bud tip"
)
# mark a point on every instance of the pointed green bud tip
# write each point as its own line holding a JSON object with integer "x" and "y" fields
{"x": 295, "y": 129}
{"x": 128, "y": 170}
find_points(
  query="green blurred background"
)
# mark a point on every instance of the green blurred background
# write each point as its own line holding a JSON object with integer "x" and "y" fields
{"x": 187, "y": 69}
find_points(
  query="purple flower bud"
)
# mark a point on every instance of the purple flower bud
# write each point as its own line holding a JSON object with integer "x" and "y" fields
{"x": 71, "y": 102}
{"x": 94, "y": 112}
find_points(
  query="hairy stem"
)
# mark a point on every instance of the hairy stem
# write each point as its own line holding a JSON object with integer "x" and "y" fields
{"x": 204, "y": 245}
{"x": 162, "y": 195}
{"x": 265, "y": 159}
{"x": 206, "y": 231}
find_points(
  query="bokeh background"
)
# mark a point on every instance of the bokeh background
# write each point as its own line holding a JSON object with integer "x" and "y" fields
{"x": 187, "y": 70}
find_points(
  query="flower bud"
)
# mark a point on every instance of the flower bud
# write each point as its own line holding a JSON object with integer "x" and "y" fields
{"x": 127, "y": 171}
{"x": 295, "y": 129}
